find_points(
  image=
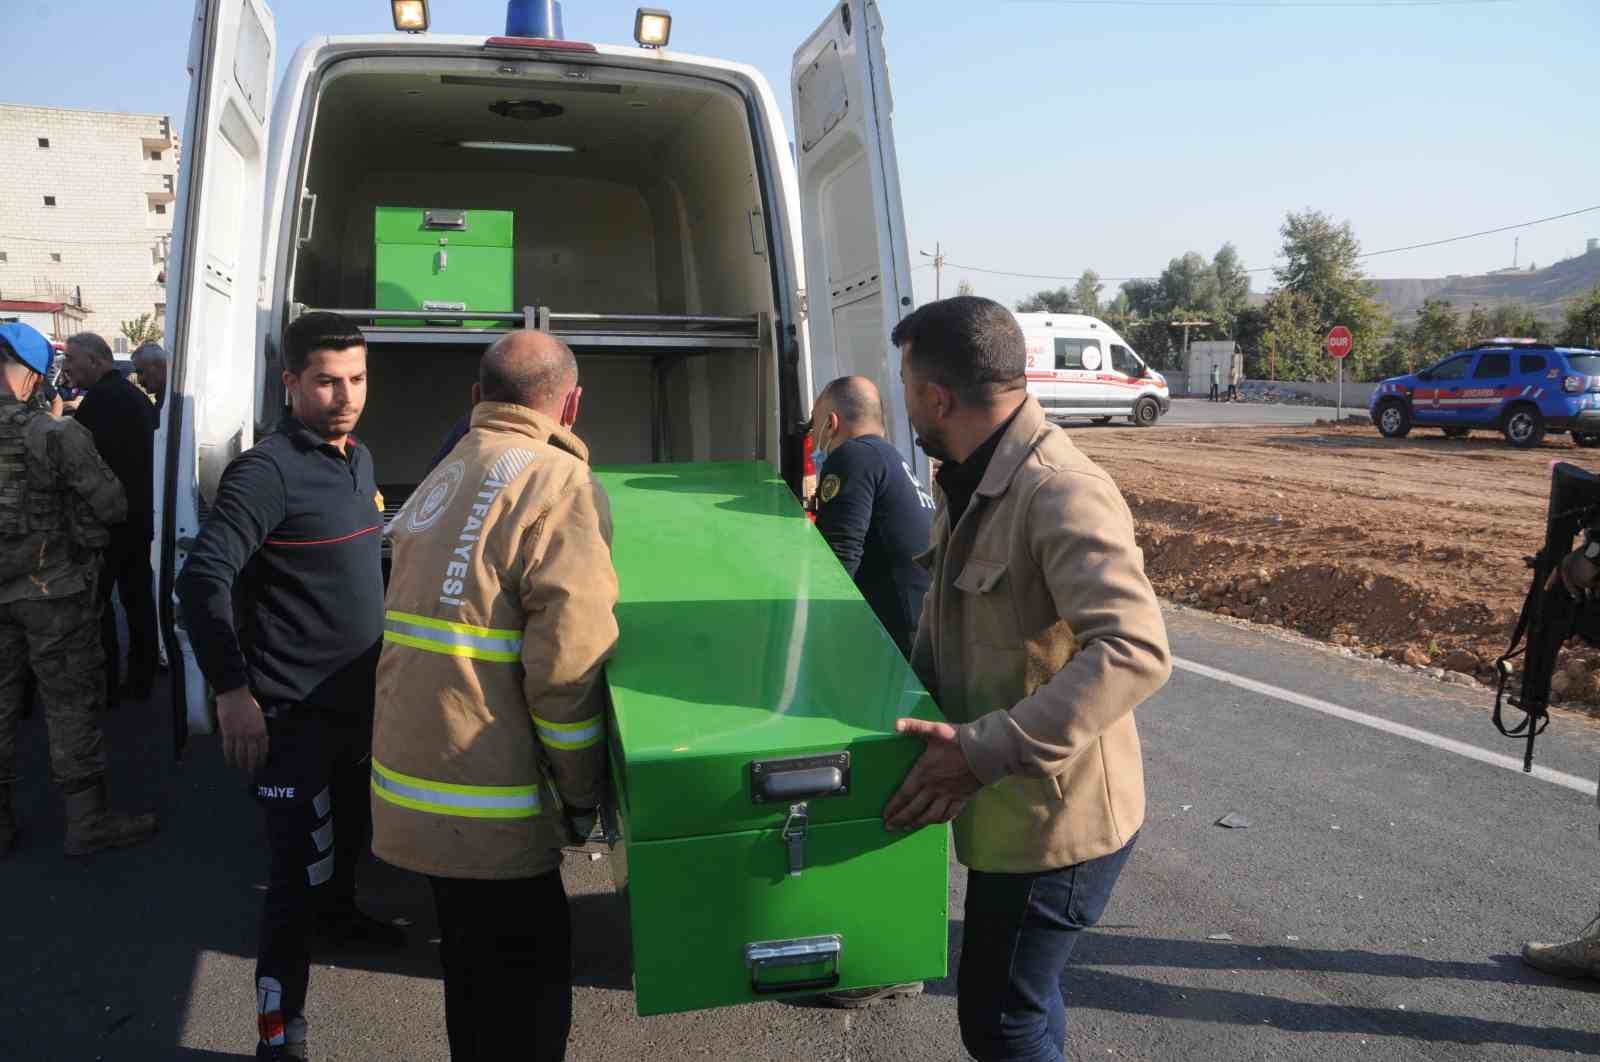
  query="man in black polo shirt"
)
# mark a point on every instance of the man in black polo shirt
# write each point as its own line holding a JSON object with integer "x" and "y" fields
{"x": 123, "y": 423}
{"x": 870, "y": 507}
{"x": 292, "y": 548}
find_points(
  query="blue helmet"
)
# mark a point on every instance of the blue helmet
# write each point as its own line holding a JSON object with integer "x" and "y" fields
{"x": 32, "y": 348}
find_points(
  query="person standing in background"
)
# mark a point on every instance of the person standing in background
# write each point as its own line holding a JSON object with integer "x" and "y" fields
{"x": 56, "y": 498}
{"x": 120, "y": 419}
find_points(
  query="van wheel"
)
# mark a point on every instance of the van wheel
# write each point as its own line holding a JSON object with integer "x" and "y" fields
{"x": 1394, "y": 420}
{"x": 1585, "y": 439}
{"x": 1524, "y": 427}
{"x": 1145, "y": 412}
{"x": 1100, "y": 420}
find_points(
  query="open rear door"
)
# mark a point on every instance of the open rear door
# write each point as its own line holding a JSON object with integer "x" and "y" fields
{"x": 213, "y": 286}
{"x": 858, "y": 274}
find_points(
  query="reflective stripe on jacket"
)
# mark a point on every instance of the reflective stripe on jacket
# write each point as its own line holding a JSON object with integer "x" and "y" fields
{"x": 490, "y": 707}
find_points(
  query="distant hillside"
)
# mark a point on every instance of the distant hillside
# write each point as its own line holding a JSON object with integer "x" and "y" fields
{"x": 1546, "y": 291}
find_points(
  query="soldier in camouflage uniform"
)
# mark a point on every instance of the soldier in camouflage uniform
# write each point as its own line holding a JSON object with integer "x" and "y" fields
{"x": 56, "y": 498}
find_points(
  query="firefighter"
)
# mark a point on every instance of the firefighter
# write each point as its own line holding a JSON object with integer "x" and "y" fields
{"x": 1580, "y": 956}
{"x": 498, "y": 620}
{"x": 293, "y": 547}
{"x": 870, "y": 507}
{"x": 1039, "y": 636}
{"x": 56, "y": 499}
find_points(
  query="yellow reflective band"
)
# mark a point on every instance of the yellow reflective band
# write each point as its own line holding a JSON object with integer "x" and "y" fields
{"x": 452, "y": 639}
{"x": 570, "y": 736}
{"x": 445, "y": 625}
{"x": 447, "y": 798}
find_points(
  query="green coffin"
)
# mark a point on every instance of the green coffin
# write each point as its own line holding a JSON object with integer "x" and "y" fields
{"x": 437, "y": 259}
{"x": 753, "y": 700}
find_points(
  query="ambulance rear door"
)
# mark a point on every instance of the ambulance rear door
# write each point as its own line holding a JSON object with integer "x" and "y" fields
{"x": 214, "y": 286}
{"x": 857, "y": 270}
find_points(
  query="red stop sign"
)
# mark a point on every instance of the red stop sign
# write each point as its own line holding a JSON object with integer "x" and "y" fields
{"x": 1340, "y": 342}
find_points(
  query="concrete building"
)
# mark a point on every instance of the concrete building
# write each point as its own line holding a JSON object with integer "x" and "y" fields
{"x": 86, "y": 205}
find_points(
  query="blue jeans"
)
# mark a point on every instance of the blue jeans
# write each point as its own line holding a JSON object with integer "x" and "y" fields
{"x": 1020, "y": 932}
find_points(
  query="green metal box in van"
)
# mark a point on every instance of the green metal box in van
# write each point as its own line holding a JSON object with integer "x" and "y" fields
{"x": 435, "y": 259}
{"x": 753, "y": 702}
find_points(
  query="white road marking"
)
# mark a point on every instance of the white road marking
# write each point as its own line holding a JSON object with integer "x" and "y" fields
{"x": 1410, "y": 733}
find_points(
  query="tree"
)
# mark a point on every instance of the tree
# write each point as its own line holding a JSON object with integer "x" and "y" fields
{"x": 1232, "y": 285}
{"x": 1437, "y": 332}
{"x": 1057, "y": 301}
{"x": 1086, "y": 292}
{"x": 1187, "y": 284}
{"x": 1512, "y": 319}
{"x": 964, "y": 287}
{"x": 1292, "y": 339}
{"x": 1321, "y": 265}
{"x": 142, "y": 329}
{"x": 1582, "y": 326}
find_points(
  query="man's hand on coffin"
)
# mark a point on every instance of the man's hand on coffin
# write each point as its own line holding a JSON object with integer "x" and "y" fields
{"x": 938, "y": 785}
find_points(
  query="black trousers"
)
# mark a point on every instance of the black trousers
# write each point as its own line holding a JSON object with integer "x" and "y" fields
{"x": 125, "y": 567}
{"x": 506, "y": 948}
{"x": 314, "y": 792}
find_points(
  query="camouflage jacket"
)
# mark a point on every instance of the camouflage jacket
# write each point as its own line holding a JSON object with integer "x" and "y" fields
{"x": 56, "y": 498}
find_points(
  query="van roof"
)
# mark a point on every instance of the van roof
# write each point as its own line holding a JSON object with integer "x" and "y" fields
{"x": 1062, "y": 320}
{"x": 402, "y": 43}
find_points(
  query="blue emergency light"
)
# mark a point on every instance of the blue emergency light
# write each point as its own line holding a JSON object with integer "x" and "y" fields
{"x": 534, "y": 18}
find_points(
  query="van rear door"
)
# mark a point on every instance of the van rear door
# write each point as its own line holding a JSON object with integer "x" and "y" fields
{"x": 213, "y": 290}
{"x": 858, "y": 275}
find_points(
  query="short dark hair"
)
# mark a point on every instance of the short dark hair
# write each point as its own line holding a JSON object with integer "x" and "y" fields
{"x": 855, "y": 400}
{"x": 969, "y": 344}
{"x": 318, "y": 330}
{"x": 92, "y": 343}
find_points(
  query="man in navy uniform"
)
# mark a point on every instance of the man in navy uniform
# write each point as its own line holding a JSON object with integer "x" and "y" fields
{"x": 870, "y": 507}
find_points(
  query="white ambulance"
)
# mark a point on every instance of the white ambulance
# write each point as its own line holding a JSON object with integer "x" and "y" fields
{"x": 709, "y": 276}
{"x": 1078, "y": 367}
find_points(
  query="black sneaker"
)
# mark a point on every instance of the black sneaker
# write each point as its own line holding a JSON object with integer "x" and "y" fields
{"x": 295, "y": 1052}
{"x": 856, "y": 998}
{"x": 350, "y": 929}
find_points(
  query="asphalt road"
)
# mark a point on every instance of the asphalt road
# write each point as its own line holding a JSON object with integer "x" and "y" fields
{"x": 1372, "y": 909}
{"x": 1198, "y": 412}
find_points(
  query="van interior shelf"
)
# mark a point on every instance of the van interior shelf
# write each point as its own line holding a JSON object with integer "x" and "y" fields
{"x": 587, "y": 333}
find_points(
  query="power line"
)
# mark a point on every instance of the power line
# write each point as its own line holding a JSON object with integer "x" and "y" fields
{"x": 1268, "y": 269}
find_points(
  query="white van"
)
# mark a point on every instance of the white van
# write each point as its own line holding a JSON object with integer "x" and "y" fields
{"x": 1079, "y": 367}
{"x": 709, "y": 276}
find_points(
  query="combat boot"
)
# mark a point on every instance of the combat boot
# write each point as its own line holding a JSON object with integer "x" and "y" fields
{"x": 1575, "y": 958}
{"x": 8, "y": 822}
{"x": 91, "y": 828}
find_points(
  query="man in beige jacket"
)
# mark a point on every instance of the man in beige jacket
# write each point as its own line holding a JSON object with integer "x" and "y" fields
{"x": 488, "y": 752}
{"x": 1039, "y": 636}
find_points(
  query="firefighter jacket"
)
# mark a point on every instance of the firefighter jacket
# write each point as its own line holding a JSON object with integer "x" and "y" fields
{"x": 491, "y": 708}
{"x": 56, "y": 498}
{"x": 1039, "y": 636}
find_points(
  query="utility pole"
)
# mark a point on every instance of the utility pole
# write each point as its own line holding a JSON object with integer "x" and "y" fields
{"x": 938, "y": 268}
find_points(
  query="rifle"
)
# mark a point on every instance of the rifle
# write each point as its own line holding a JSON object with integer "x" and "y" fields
{"x": 1549, "y": 616}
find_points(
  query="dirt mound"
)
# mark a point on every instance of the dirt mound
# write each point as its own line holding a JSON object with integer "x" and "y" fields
{"x": 1412, "y": 550}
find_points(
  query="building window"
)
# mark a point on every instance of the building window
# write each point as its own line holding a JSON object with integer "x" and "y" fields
{"x": 161, "y": 311}
{"x": 161, "y": 208}
{"x": 49, "y": 200}
{"x": 55, "y": 256}
{"x": 3, "y": 257}
{"x": 155, "y": 156}
{"x": 120, "y": 344}
{"x": 44, "y": 141}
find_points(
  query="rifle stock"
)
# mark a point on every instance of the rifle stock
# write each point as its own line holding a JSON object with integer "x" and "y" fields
{"x": 1549, "y": 615}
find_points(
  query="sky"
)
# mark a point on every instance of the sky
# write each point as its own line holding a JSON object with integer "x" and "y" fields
{"x": 1049, "y": 136}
